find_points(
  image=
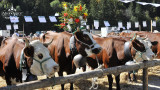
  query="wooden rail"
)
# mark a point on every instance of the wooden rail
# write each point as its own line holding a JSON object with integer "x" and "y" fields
{"x": 86, "y": 75}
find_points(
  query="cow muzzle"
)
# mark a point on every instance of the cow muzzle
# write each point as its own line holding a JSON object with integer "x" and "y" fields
{"x": 96, "y": 50}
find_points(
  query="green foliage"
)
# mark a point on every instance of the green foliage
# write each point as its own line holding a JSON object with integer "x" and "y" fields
{"x": 56, "y": 6}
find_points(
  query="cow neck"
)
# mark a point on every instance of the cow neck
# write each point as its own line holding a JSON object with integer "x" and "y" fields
{"x": 127, "y": 50}
{"x": 23, "y": 66}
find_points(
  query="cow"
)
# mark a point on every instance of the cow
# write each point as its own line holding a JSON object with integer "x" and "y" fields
{"x": 117, "y": 51}
{"x": 62, "y": 53}
{"x": 21, "y": 60}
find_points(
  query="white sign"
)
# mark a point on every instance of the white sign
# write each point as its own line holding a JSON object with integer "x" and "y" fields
{"x": 52, "y": 18}
{"x": 87, "y": 27}
{"x": 104, "y": 31}
{"x": 28, "y": 18}
{"x": 56, "y": 14}
{"x": 154, "y": 23}
{"x": 14, "y": 19}
{"x": 15, "y": 26}
{"x": 136, "y": 24}
{"x": 106, "y": 23}
{"x": 144, "y": 24}
{"x": 96, "y": 24}
{"x": 120, "y": 24}
{"x": 128, "y": 25}
{"x": 8, "y": 27}
{"x": 42, "y": 19}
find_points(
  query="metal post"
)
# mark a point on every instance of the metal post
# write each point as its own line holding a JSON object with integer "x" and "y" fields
{"x": 145, "y": 79}
{"x": 151, "y": 26}
{"x": 23, "y": 29}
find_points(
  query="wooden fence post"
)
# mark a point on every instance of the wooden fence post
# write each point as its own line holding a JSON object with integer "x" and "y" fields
{"x": 145, "y": 79}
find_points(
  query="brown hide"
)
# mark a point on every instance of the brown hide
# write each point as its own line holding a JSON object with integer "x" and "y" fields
{"x": 113, "y": 51}
{"x": 59, "y": 49}
{"x": 10, "y": 57}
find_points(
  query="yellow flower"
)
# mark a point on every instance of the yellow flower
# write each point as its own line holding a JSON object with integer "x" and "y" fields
{"x": 86, "y": 14}
{"x": 64, "y": 5}
{"x": 75, "y": 8}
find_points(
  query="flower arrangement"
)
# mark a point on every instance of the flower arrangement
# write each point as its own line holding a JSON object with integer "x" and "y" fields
{"x": 72, "y": 16}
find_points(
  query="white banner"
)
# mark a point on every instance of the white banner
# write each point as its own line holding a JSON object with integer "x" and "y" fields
{"x": 136, "y": 24}
{"x": 144, "y": 24}
{"x": 128, "y": 25}
{"x": 42, "y": 19}
{"x": 14, "y": 19}
{"x": 28, "y": 18}
{"x": 8, "y": 27}
{"x": 120, "y": 24}
{"x": 104, "y": 31}
{"x": 96, "y": 24}
{"x": 154, "y": 23}
{"x": 15, "y": 26}
{"x": 52, "y": 18}
{"x": 106, "y": 23}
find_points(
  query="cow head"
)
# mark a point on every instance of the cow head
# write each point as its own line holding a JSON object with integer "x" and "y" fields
{"x": 85, "y": 43}
{"x": 42, "y": 63}
{"x": 143, "y": 49}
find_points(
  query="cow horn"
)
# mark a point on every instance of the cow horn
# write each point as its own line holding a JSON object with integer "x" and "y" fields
{"x": 26, "y": 41}
{"x": 145, "y": 37}
{"x": 46, "y": 44}
{"x": 134, "y": 37}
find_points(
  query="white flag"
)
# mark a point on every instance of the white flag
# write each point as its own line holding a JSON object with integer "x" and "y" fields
{"x": 8, "y": 27}
{"x": 136, "y": 24}
{"x": 96, "y": 24}
{"x": 144, "y": 24}
{"x": 42, "y": 19}
{"x": 128, "y": 25}
{"x": 28, "y": 18}
{"x": 15, "y": 26}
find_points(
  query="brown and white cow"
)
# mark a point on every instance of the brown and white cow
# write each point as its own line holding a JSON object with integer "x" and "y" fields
{"x": 151, "y": 36}
{"x": 34, "y": 57}
{"x": 113, "y": 53}
{"x": 62, "y": 53}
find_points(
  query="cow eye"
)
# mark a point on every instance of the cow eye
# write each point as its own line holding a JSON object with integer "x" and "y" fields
{"x": 40, "y": 56}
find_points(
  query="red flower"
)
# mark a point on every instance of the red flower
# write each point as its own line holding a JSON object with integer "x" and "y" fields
{"x": 65, "y": 14}
{"x": 80, "y": 8}
{"x": 62, "y": 25}
{"x": 77, "y": 20}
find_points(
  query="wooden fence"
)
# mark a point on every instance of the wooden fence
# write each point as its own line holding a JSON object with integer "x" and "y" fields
{"x": 85, "y": 75}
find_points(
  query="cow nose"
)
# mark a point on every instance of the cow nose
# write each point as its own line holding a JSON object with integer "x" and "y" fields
{"x": 96, "y": 50}
{"x": 153, "y": 56}
{"x": 56, "y": 68}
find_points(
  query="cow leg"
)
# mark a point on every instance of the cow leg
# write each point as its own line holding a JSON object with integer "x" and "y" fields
{"x": 84, "y": 68}
{"x": 110, "y": 79}
{"x": 129, "y": 76}
{"x": 117, "y": 82}
{"x": 8, "y": 81}
{"x": 62, "y": 85}
{"x": 134, "y": 77}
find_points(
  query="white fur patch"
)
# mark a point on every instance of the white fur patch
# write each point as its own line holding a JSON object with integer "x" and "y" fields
{"x": 13, "y": 81}
{"x": 89, "y": 51}
{"x": 148, "y": 54}
{"x": 48, "y": 66}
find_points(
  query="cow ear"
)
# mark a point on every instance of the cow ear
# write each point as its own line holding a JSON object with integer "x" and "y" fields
{"x": 29, "y": 51}
{"x": 154, "y": 43}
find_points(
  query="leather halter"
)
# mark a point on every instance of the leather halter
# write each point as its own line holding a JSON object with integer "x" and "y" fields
{"x": 90, "y": 46}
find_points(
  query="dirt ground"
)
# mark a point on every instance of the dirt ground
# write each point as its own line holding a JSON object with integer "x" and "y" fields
{"x": 153, "y": 82}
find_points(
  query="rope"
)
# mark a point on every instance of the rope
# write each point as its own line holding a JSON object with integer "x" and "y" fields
{"x": 94, "y": 80}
